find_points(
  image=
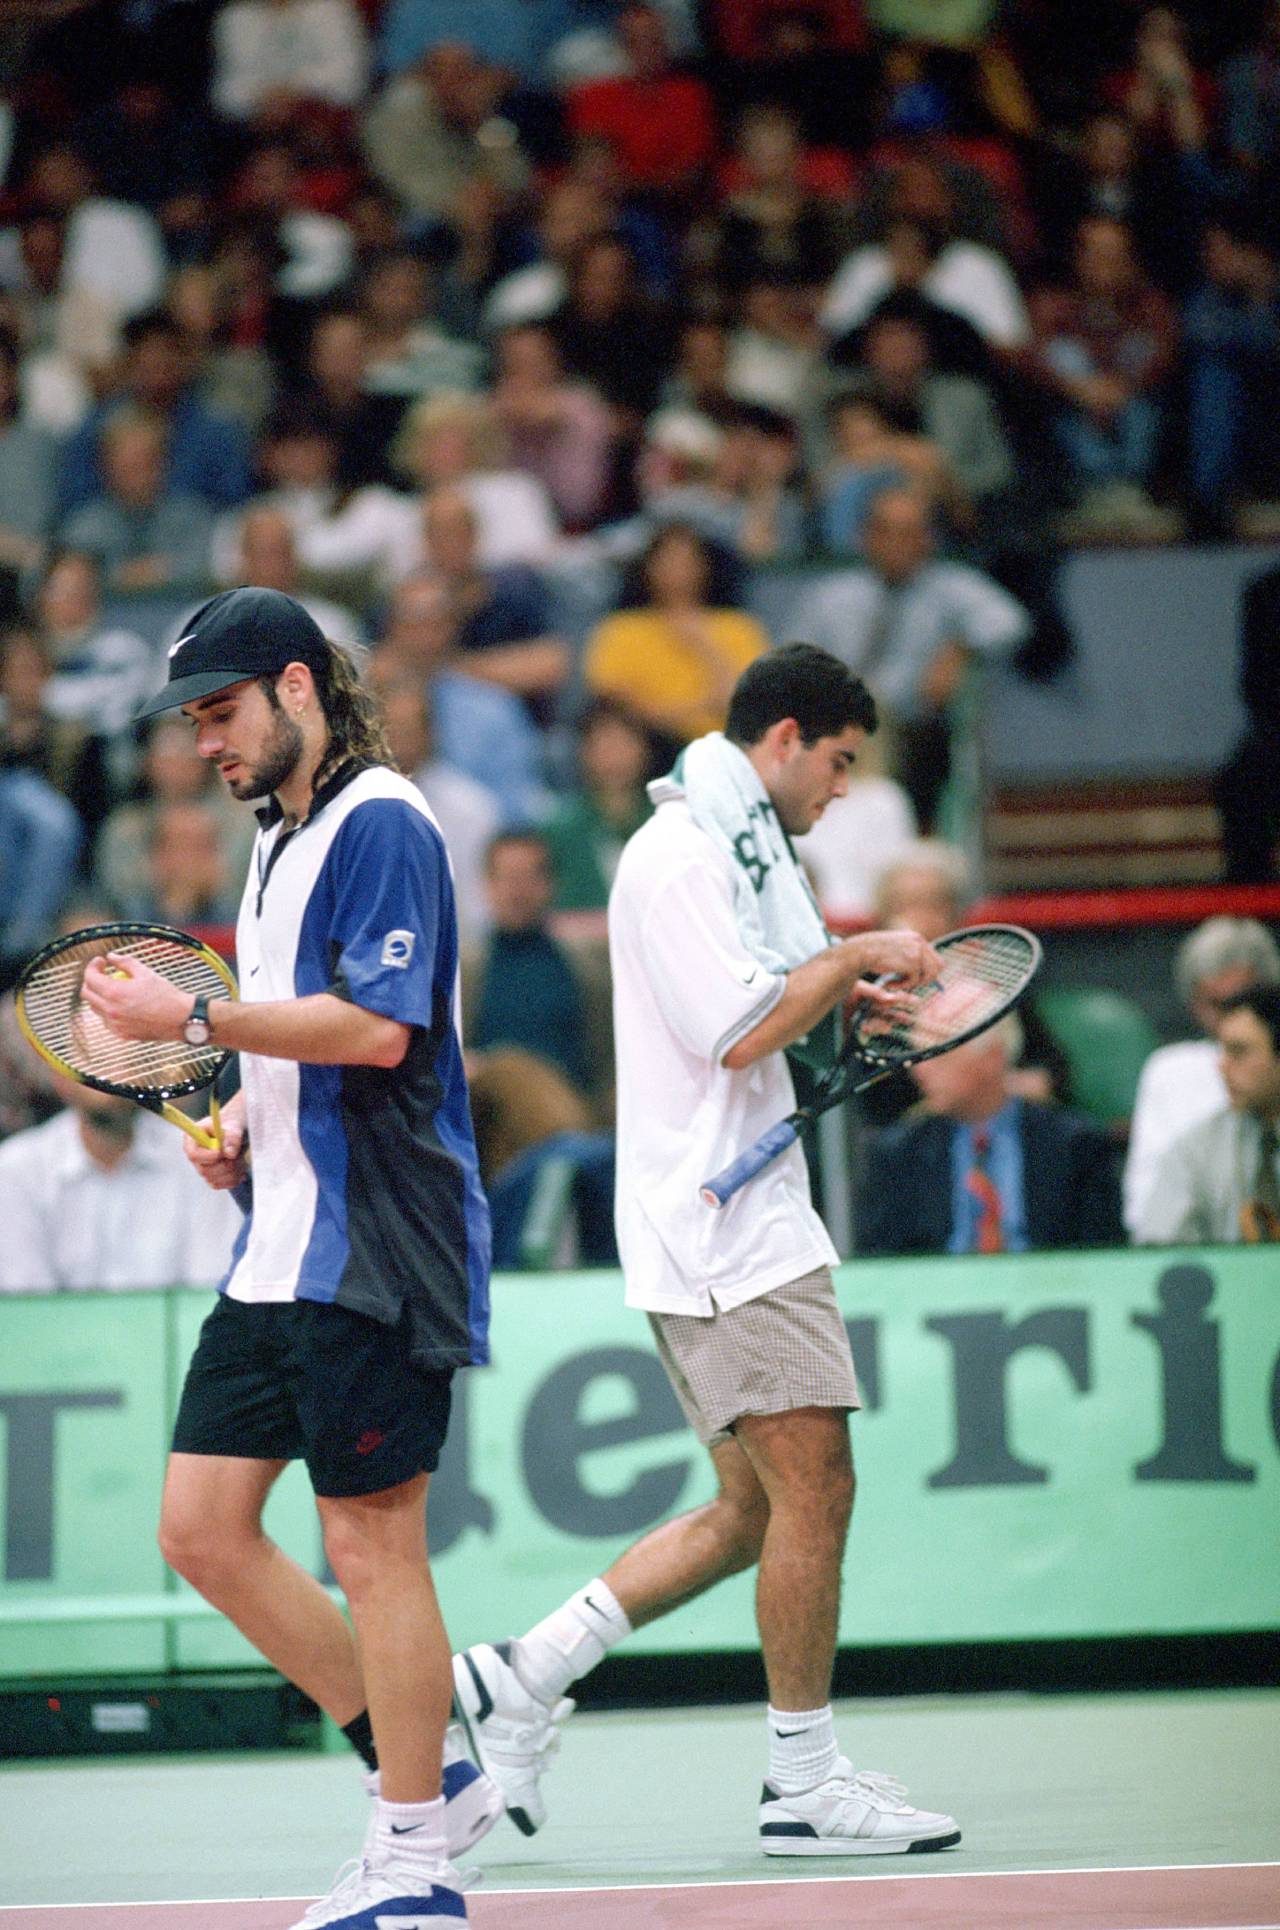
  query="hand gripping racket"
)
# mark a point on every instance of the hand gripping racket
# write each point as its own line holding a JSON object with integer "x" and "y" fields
{"x": 68, "y": 1034}
{"x": 985, "y": 971}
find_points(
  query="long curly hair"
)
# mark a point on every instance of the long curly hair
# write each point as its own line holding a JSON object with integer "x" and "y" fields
{"x": 352, "y": 712}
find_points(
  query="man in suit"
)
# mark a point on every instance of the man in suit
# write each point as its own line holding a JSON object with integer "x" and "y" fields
{"x": 1221, "y": 1180}
{"x": 977, "y": 1169}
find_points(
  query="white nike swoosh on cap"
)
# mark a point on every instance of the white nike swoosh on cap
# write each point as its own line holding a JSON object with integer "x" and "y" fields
{"x": 175, "y": 647}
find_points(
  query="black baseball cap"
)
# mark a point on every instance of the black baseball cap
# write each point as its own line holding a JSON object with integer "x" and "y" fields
{"x": 239, "y": 634}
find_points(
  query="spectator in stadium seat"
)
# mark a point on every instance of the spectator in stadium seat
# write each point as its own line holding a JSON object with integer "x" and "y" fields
{"x": 456, "y": 441}
{"x": 269, "y": 56}
{"x": 557, "y": 430}
{"x": 266, "y": 554}
{"x": 611, "y": 332}
{"x": 1248, "y": 786}
{"x": 955, "y": 412}
{"x": 208, "y": 457}
{"x": 101, "y": 1196}
{"x": 188, "y": 879}
{"x": 1250, "y": 91}
{"x": 569, "y": 215}
{"x": 1231, "y": 339}
{"x": 876, "y": 446}
{"x": 467, "y": 812}
{"x": 1219, "y": 1181}
{"x": 589, "y": 824}
{"x": 961, "y": 277}
{"x": 1105, "y": 344}
{"x": 505, "y": 633}
{"x": 1182, "y": 1085}
{"x": 434, "y": 136}
{"x": 409, "y": 352}
{"x": 102, "y": 670}
{"x": 661, "y": 122}
{"x": 524, "y": 990}
{"x": 773, "y": 221}
{"x": 675, "y": 656}
{"x": 68, "y": 335}
{"x": 910, "y": 624}
{"x": 143, "y": 534}
{"x": 40, "y": 841}
{"x": 479, "y": 729}
{"x": 979, "y": 1171}
{"x": 335, "y": 386}
{"x": 67, "y": 753}
{"x": 28, "y": 474}
{"x": 172, "y": 773}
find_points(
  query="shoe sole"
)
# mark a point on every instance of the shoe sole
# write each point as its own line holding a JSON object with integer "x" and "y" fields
{"x": 853, "y": 1845}
{"x": 471, "y": 1704}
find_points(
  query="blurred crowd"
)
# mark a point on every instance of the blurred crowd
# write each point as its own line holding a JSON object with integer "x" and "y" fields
{"x": 524, "y": 340}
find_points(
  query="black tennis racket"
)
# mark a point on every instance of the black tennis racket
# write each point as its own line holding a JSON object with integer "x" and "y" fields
{"x": 985, "y": 971}
{"x": 70, "y": 1036}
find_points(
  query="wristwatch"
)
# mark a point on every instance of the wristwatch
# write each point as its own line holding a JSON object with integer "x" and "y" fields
{"x": 197, "y": 1030}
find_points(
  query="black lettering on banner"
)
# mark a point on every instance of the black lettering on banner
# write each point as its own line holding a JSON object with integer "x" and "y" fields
{"x": 455, "y": 1504}
{"x": 555, "y": 1441}
{"x": 864, "y": 1340}
{"x": 1190, "y": 1352}
{"x": 32, "y": 1475}
{"x": 982, "y": 1345}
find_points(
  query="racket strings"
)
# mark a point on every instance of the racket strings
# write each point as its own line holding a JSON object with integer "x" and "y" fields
{"x": 981, "y": 976}
{"x": 67, "y": 1026}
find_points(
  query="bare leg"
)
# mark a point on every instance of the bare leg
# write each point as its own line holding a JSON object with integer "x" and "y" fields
{"x": 211, "y": 1533}
{"x": 377, "y": 1545}
{"x": 681, "y": 1558}
{"x": 805, "y": 1467}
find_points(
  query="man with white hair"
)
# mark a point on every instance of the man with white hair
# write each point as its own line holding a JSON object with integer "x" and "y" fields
{"x": 978, "y": 1169}
{"x": 1182, "y": 1084}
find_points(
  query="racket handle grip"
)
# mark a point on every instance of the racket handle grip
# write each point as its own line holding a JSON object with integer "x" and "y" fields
{"x": 720, "y": 1190}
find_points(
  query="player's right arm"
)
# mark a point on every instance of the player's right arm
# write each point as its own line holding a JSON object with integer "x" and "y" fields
{"x": 826, "y": 980}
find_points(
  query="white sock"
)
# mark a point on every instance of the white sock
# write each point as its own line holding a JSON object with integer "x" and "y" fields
{"x": 411, "y": 1835}
{"x": 802, "y": 1748}
{"x": 570, "y": 1641}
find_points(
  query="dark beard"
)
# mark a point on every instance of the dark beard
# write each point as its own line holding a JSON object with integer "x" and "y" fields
{"x": 278, "y": 762}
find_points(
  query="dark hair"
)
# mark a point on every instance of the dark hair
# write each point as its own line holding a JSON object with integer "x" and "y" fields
{"x": 351, "y": 711}
{"x": 153, "y": 321}
{"x": 724, "y": 571}
{"x": 1264, "y": 1002}
{"x": 803, "y": 682}
{"x": 516, "y": 834}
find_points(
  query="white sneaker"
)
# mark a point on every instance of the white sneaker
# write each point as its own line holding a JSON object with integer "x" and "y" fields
{"x": 389, "y": 1895}
{"x": 851, "y": 1815}
{"x": 512, "y": 1735}
{"x": 472, "y": 1803}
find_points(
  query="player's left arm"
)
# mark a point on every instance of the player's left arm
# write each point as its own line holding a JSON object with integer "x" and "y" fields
{"x": 391, "y": 889}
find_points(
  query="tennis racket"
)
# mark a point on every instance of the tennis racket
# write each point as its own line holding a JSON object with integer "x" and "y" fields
{"x": 985, "y": 971}
{"x": 69, "y": 1035}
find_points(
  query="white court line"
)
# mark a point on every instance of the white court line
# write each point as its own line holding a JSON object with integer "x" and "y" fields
{"x": 718, "y": 1883}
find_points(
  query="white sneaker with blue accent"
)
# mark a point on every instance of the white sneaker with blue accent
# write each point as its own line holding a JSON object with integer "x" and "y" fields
{"x": 472, "y": 1803}
{"x": 851, "y": 1814}
{"x": 512, "y": 1734}
{"x": 388, "y": 1896}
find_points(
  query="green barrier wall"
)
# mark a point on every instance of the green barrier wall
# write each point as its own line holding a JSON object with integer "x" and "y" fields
{"x": 1051, "y": 1446}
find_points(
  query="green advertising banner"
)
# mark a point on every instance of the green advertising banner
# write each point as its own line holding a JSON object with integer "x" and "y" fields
{"x": 1050, "y": 1445}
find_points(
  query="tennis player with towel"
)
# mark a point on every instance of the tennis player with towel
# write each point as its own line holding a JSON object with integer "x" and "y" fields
{"x": 359, "y": 1281}
{"x": 720, "y": 960}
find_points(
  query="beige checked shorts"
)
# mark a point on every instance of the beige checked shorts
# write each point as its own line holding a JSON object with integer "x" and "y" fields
{"x": 788, "y": 1348}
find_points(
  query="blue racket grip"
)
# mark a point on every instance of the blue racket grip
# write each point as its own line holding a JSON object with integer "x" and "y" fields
{"x": 718, "y": 1191}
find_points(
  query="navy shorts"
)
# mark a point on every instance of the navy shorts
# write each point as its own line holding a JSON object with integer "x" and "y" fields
{"x": 280, "y": 1381}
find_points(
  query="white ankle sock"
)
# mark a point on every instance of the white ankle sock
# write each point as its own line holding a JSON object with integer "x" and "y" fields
{"x": 571, "y": 1640}
{"x": 410, "y": 1834}
{"x": 802, "y": 1748}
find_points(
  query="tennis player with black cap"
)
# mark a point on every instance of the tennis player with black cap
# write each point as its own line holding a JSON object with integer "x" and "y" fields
{"x": 359, "y": 1281}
